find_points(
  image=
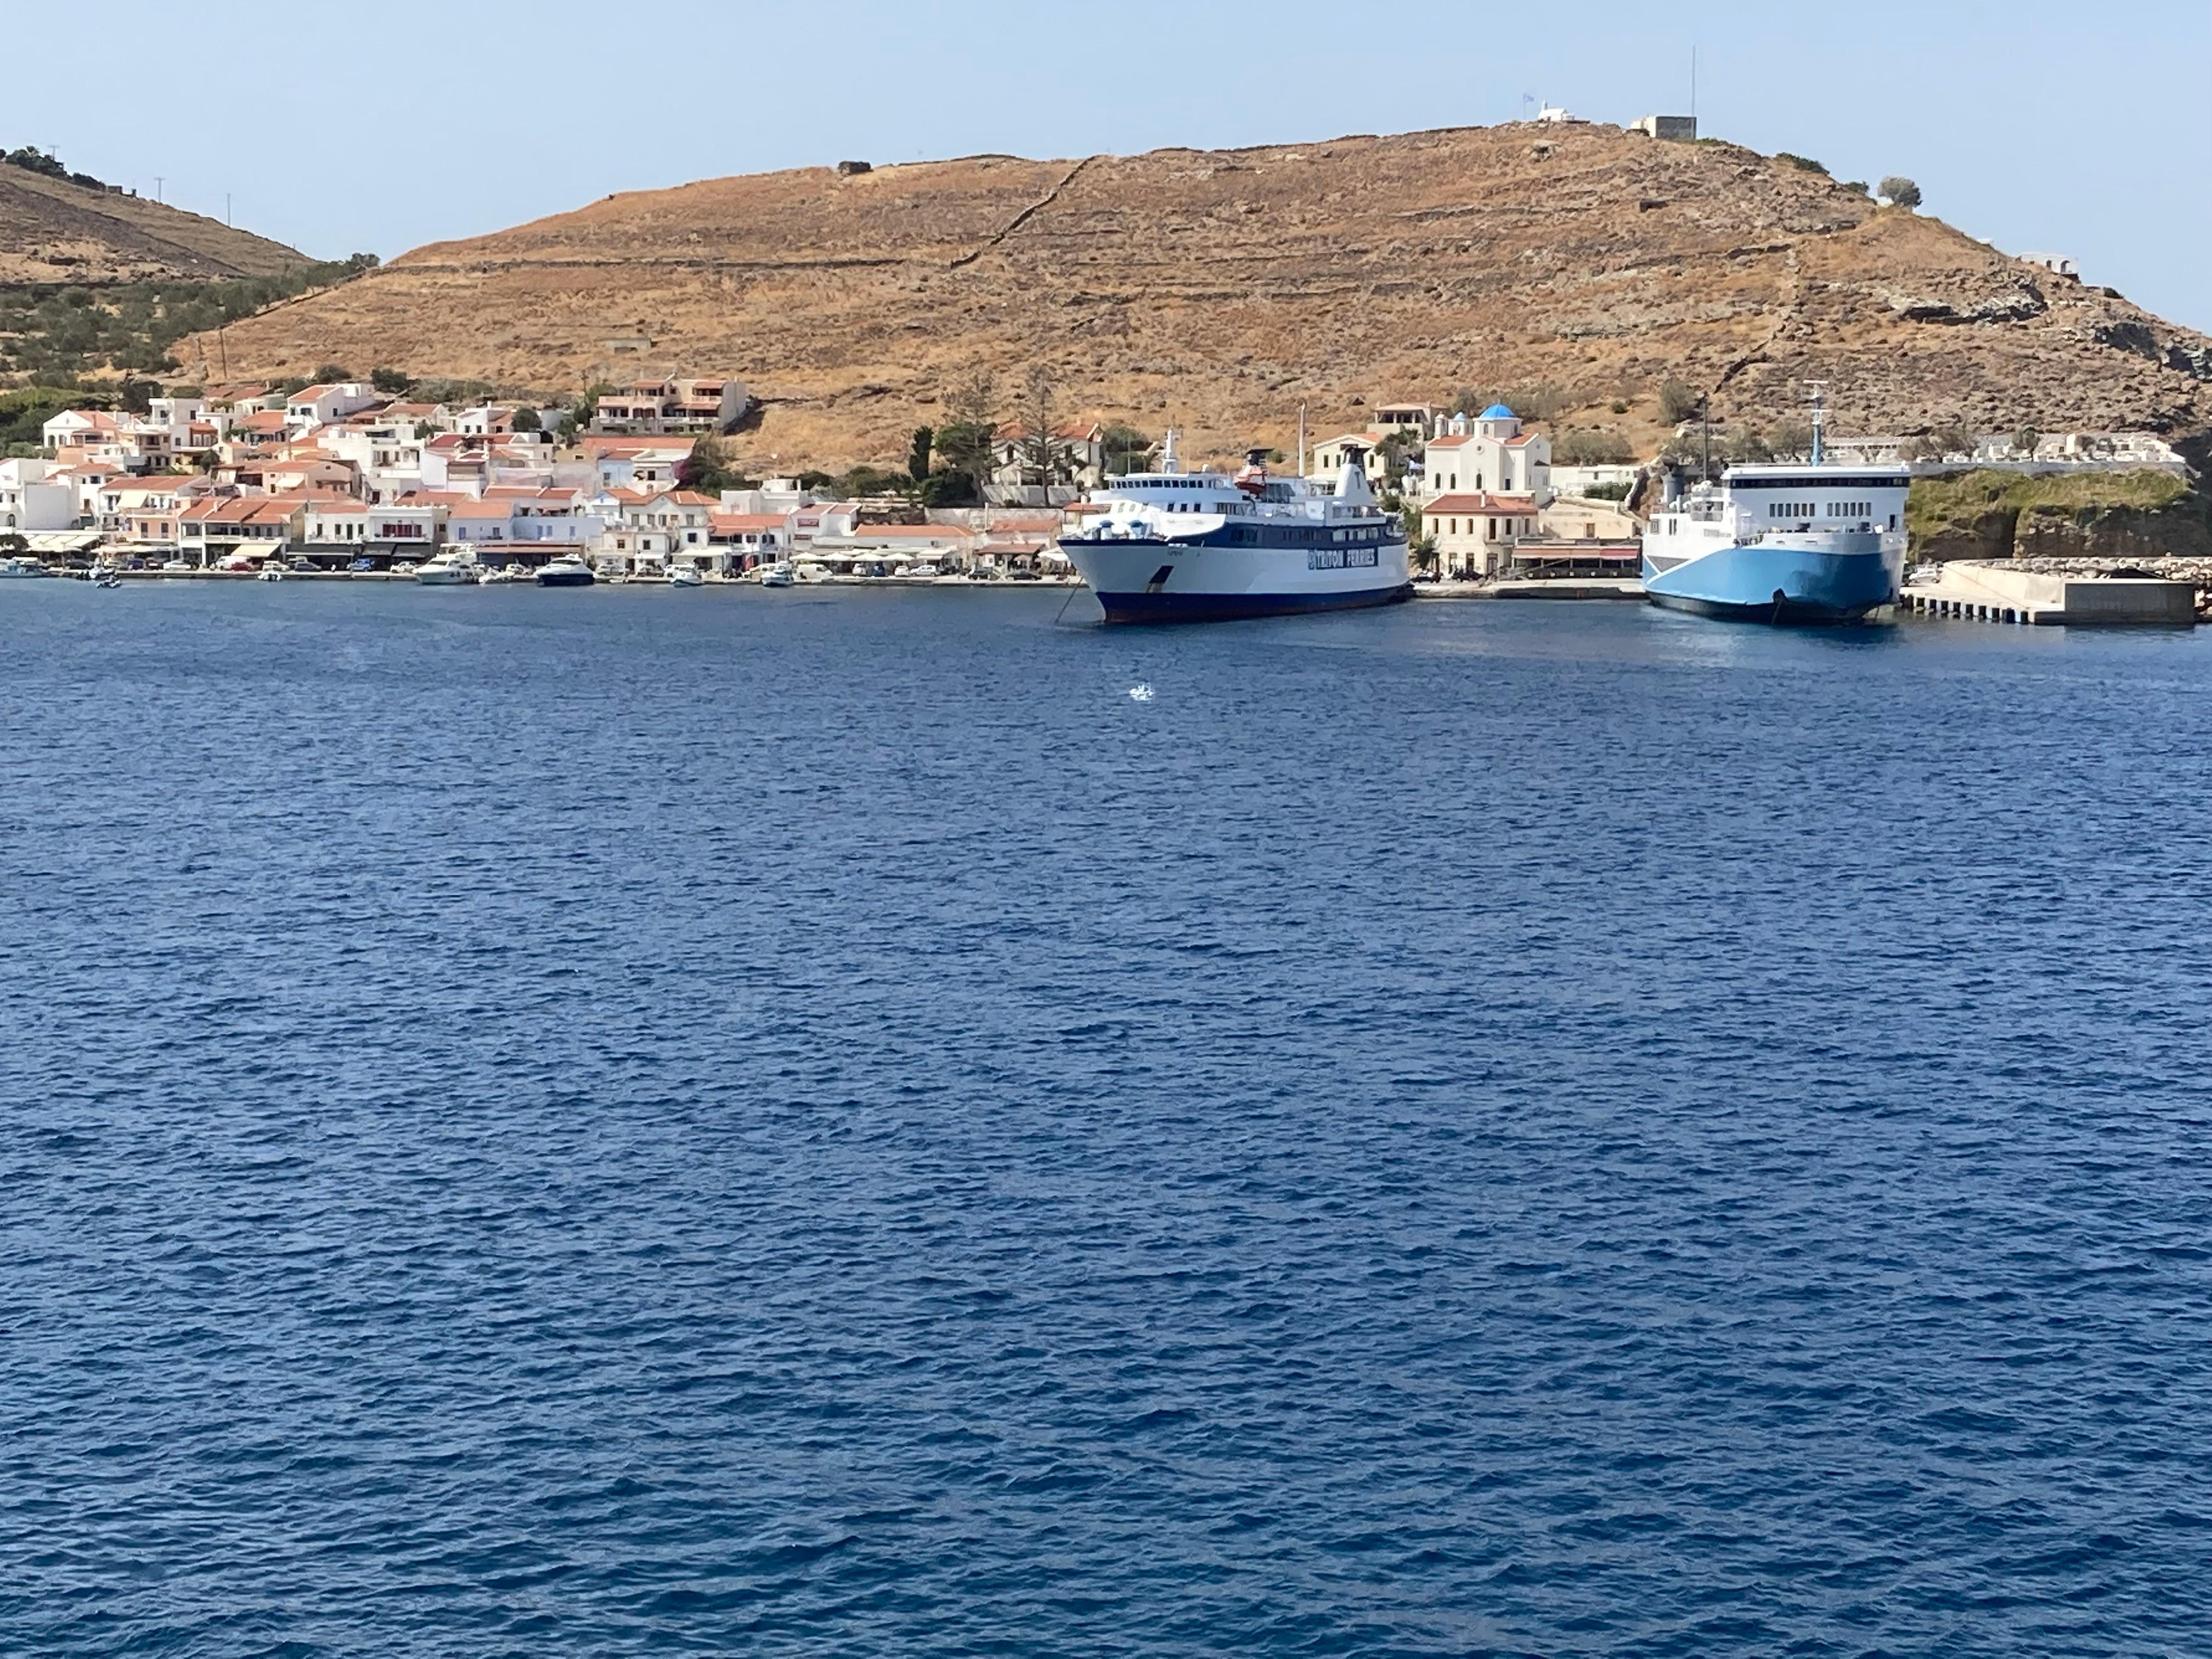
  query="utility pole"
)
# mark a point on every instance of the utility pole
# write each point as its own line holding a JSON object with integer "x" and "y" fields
{"x": 1693, "y": 83}
{"x": 158, "y": 182}
{"x": 226, "y": 207}
{"x": 1302, "y": 440}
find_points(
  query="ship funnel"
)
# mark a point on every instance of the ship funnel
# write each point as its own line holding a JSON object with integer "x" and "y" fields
{"x": 1170, "y": 457}
{"x": 1351, "y": 477}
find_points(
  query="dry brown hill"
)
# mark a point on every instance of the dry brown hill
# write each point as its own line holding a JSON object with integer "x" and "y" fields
{"x": 1219, "y": 290}
{"x": 54, "y": 231}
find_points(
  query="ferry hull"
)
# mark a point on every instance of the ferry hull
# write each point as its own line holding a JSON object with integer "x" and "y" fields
{"x": 1142, "y": 581}
{"x": 1232, "y": 607}
{"x": 1781, "y": 582}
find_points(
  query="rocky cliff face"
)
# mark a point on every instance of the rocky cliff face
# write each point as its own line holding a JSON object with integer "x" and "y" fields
{"x": 54, "y": 231}
{"x": 1220, "y": 290}
{"x": 2129, "y": 516}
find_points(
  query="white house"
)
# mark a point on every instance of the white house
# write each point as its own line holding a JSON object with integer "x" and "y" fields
{"x": 1489, "y": 455}
{"x": 319, "y": 405}
{"x": 30, "y": 499}
{"x": 637, "y": 463}
{"x": 1328, "y": 456}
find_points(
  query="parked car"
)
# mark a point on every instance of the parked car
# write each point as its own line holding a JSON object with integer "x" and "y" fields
{"x": 362, "y": 564}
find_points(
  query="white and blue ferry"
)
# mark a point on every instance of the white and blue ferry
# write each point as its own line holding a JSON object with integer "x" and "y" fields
{"x": 1783, "y": 543}
{"x": 1176, "y": 546}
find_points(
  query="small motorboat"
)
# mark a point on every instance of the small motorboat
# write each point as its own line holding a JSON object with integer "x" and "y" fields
{"x": 779, "y": 574}
{"x": 500, "y": 574}
{"x": 22, "y": 567}
{"x": 566, "y": 571}
{"x": 273, "y": 571}
{"x": 686, "y": 575}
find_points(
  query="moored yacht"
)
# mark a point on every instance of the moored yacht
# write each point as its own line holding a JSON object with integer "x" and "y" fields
{"x": 453, "y": 567}
{"x": 1176, "y": 546}
{"x": 569, "y": 570}
{"x": 1783, "y": 542}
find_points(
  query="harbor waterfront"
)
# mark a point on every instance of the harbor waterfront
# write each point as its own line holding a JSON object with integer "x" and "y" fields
{"x": 623, "y": 1122}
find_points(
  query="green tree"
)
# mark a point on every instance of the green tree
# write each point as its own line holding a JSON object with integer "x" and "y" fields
{"x": 707, "y": 468}
{"x": 917, "y": 454}
{"x": 1901, "y": 191}
{"x": 1678, "y": 400}
{"x": 587, "y": 406}
{"x": 1128, "y": 450}
{"x": 12, "y": 544}
{"x": 1586, "y": 447}
{"x": 1399, "y": 449}
{"x": 395, "y": 381}
{"x": 2025, "y": 440}
{"x": 949, "y": 488}
{"x": 327, "y": 372}
{"x": 1791, "y": 439}
{"x": 528, "y": 420}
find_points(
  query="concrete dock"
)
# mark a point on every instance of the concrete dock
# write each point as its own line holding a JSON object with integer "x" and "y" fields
{"x": 1983, "y": 593}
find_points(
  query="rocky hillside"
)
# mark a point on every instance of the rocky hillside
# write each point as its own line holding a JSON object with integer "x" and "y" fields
{"x": 1999, "y": 515}
{"x": 54, "y": 231}
{"x": 1219, "y": 290}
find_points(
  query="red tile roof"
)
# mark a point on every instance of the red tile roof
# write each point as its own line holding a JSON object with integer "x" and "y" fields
{"x": 1484, "y": 503}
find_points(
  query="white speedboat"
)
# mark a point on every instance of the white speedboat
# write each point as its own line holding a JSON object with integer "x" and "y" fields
{"x": 779, "y": 574}
{"x": 568, "y": 571}
{"x": 454, "y": 566}
{"x": 686, "y": 575}
{"x": 20, "y": 565}
{"x": 273, "y": 571}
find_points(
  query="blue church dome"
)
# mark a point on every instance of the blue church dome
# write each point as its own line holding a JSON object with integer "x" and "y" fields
{"x": 1499, "y": 412}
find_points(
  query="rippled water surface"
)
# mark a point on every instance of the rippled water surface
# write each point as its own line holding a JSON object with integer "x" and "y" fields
{"x": 816, "y": 1124}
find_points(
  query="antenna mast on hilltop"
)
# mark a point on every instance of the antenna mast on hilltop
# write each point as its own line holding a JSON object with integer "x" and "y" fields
{"x": 1693, "y": 83}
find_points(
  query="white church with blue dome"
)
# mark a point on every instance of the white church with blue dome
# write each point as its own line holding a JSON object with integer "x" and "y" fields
{"x": 1488, "y": 455}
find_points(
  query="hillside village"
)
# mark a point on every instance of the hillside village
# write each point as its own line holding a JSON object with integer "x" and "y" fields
{"x": 342, "y": 476}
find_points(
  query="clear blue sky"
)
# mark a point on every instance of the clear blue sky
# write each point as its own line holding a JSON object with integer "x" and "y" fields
{"x": 2081, "y": 129}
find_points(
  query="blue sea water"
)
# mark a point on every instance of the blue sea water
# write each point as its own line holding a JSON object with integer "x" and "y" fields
{"x": 632, "y": 1122}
